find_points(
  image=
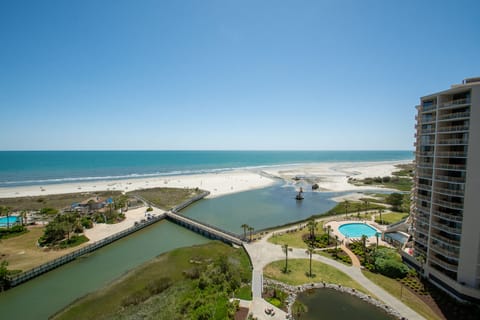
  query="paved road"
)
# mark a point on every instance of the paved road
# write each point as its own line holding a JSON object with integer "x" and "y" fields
{"x": 263, "y": 252}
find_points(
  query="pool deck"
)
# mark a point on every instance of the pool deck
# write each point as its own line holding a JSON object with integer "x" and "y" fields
{"x": 262, "y": 252}
{"x": 335, "y": 225}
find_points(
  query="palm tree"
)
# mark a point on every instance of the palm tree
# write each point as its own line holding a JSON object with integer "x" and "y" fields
{"x": 245, "y": 227}
{"x": 366, "y": 206}
{"x": 364, "y": 245}
{"x": 310, "y": 251}
{"x": 23, "y": 215}
{"x": 346, "y": 204}
{"x": 312, "y": 225}
{"x": 377, "y": 234}
{"x": 380, "y": 213}
{"x": 7, "y": 213}
{"x": 328, "y": 234}
{"x": 336, "y": 245}
{"x": 250, "y": 229}
{"x": 285, "y": 249}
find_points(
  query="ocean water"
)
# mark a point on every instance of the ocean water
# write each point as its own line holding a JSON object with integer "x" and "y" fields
{"x": 20, "y": 168}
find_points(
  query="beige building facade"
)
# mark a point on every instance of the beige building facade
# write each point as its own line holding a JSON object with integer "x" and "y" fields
{"x": 446, "y": 195}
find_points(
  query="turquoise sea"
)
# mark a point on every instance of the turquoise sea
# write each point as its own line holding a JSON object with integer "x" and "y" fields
{"x": 20, "y": 168}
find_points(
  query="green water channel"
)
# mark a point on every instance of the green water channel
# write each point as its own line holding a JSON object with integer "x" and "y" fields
{"x": 45, "y": 295}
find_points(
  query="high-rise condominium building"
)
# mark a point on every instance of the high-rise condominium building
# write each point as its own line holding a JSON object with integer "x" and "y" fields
{"x": 446, "y": 195}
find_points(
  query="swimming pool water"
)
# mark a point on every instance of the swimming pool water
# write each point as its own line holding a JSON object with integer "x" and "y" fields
{"x": 356, "y": 230}
{"x": 11, "y": 221}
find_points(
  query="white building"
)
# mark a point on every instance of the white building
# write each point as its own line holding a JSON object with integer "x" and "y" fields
{"x": 446, "y": 210}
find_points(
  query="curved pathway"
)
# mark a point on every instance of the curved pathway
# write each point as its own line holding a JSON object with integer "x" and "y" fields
{"x": 263, "y": 252}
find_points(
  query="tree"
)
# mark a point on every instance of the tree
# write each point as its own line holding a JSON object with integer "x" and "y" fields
{"x": 3, "y": 275}
{"x": 23, "y": 216}
{"x": 285, "y": 249}
{"x": 346, "y": 204}
{"x": 395, "y": 200}
{"x": 310, "y": 251}
{"x": 336, "y": 245}
{"x": 377, "y": 234}
{"x": 312, "y": 225}
{"x": 6, "y": 211}
{"x": 328, "y": 234}
{"x": 380, "y": 211}
{"x": 250, "y": 229}
{"x": 364, "y": 245}
{"x": 245, "y": 227}
{"x": 366, "y": 203}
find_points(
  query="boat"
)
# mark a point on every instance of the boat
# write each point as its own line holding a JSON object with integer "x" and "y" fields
{"x": 300, "y": 195}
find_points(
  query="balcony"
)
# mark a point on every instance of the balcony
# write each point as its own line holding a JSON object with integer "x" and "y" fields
{"x": 424, "y": 164}
{"x": 454, "y": 103}
{"x": 448, "y": 204}
{"x": 427, "y": 131}
{"x": 455, "y": 115}
{"x": 439, "y": 226}
{"x": 421, "y": 241}
{"x": 449, "y": 191}
{"x": 452, "y": 154}
{"x": 445, "y": 239}
{"x": 450, "y": 179}
{"x": 429, "y": 108}
{"x": 444, "y": 264}
{"x": 444, "y": 252}
{"x": 424, "y": 198}
{"x": 453, "y": 128}
{"x": 448, "y": 166}
{"x": 447, "y": 216}
{"x": 452, "y": 141}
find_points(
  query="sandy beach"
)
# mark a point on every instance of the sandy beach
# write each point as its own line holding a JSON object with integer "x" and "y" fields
{"x": 329, "y": 176}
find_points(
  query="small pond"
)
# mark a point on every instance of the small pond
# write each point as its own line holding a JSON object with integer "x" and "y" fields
{"x": 333, "y": 304}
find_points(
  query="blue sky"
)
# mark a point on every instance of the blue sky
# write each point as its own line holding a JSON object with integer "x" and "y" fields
{"x": 310, "y": 75}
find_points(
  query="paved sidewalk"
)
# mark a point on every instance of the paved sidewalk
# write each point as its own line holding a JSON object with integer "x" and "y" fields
{"x": 263, "y": 252}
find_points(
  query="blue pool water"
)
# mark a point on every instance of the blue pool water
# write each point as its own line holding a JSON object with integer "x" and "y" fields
{"x": 356, "y": 230}
{"x": 11, "y": 221}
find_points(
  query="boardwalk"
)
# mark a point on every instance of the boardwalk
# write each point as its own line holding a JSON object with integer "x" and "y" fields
{"x": 204, "y": 229}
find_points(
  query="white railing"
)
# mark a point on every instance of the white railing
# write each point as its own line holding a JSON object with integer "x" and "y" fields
{"x": 455, "y": 103}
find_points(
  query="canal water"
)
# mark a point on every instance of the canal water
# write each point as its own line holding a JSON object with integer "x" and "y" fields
{"x": 260, "y": 209}
{"x": 333, "y": 304}
{"x": 43, "y": 296}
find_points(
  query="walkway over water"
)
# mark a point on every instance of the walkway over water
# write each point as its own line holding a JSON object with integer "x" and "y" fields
{"x": 204, "y": 229}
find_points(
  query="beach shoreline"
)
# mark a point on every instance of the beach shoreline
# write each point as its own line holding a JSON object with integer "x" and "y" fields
{"x": 330, "y": 176}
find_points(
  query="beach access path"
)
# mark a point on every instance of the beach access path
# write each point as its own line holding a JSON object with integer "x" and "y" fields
{"x": 262, "y": 253}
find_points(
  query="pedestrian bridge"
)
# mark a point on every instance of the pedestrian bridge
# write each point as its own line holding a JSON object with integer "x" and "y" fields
{"x": 204, "y": 229}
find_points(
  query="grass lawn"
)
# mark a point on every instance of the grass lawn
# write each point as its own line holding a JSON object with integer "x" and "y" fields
{"x": 389, "y": 218}
{"x": 403, "y": 184}
{"x": 395, "y": 288}
{"x": 294, "y": 239}
{"x": 166, "y": 198}
{"x": 106, "y": 303}
{"x": 22, "y": 252}
{"x": 244, "y": 293}
{"x": 299, "y": 269}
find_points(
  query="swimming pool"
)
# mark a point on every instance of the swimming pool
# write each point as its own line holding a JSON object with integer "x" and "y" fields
{"x": 356, "y": 230}
{"x": 11, "y": 221}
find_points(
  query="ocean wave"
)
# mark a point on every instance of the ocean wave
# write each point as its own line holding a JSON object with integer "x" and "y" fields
{"x": 47, "y": 181}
